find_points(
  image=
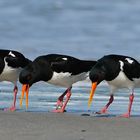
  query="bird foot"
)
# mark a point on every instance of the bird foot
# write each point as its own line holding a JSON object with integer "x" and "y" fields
{"x": 103, "y": 111}
{"x": 126, "y": 115}
{"x": 59, "y": 111}
{"x": 12, "y": 108}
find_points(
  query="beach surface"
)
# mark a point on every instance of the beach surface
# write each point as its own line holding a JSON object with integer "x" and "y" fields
{"x": 54, "y": 126}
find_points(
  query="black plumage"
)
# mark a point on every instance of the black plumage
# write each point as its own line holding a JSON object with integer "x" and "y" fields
{"x": 120, "y": 72}
{"x": 61, "y": 70}
{"x": 11, "y": 63}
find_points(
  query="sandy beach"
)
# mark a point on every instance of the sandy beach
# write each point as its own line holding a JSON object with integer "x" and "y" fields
{"x": 54, "y": 126}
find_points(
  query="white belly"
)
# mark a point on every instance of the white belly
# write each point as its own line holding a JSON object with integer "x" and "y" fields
{"x": 121, "y": 81}
{"x": 10, "y": 74}
{"x": 66, "y": 79}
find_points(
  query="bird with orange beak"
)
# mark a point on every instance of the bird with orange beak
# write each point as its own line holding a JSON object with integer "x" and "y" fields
{"x": 120, "y": 72}
{"x": 56, "y": 69}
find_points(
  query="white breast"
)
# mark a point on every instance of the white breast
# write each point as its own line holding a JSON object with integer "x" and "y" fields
{"x": 10, "y": 74}
{"x": 66, "y": 79}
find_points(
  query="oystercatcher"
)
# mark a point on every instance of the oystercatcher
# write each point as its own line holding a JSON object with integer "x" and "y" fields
{"x": 11, "y": 63}
{"x": 61, "y": 70}
{"x": 119, "y": 72}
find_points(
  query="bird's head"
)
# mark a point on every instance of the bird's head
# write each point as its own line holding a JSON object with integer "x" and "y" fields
{"x": 29, "y": 75}
{"x": 32, "y": 73}
{"x": 96, "y": 75}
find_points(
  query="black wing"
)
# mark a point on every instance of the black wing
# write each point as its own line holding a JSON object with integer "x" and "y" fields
{"x": 1, "y": 65}
{"x": 16, "y": 62}
{"x": 132, "y": 70}
{"x": 65, "y": 64}
{"x": 131, "y": 67}
{"x": 71, "y": 65}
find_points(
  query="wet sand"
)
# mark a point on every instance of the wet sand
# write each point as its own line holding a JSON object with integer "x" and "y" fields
{"x": 54, "y": 126}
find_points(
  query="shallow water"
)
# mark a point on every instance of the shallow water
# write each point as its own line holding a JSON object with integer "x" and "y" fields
{"x": 43, "y": 97}
{"x": 87, "y": 29}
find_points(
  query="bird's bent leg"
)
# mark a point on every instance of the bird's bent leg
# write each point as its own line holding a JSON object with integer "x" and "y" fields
{"x": 104, "y": 109}
{"x": 59, "y": 103}
{"x": 68, "y": 95}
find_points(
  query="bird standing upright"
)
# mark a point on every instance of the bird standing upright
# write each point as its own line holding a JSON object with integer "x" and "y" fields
{"x": 11, "y": 63}
{"x": 119, "y": 72}
{"x": 60, "y": 70}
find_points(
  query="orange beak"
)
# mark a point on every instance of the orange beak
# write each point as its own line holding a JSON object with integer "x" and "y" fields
{"x": 25, "y": 88}
{"x": 93, "y": 88}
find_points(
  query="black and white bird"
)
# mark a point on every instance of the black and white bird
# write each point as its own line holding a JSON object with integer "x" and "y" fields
{"x": 60, "y": 70}
{"x": 119, "y": 72}
{"x": 11, "y": 63}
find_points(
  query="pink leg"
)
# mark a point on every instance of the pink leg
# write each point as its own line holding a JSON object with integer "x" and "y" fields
{"x": 104, "y": 109}
{"x": 13, "y": 107}
{"x": 68, "y": 95}
{"x": 60, "y": 100}
{"x": 127, "y": 115}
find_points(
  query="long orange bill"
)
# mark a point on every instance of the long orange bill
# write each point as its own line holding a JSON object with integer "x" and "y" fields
{"x": 25, "y": 89}
{"x": 93, "y": 88}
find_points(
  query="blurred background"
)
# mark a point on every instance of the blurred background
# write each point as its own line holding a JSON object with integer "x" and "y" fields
{"x": 82, "y": 28}
{"x": 87, "y": 29}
